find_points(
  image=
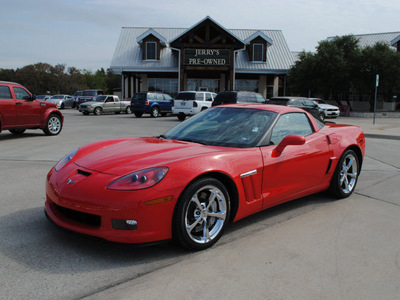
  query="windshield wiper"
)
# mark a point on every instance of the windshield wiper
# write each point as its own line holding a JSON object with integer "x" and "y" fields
{"x": 191, "y": 141}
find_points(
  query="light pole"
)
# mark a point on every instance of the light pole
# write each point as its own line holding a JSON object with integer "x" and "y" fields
{"x": 376, "y": 93}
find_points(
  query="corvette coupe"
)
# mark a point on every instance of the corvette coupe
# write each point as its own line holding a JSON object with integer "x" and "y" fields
{"x": 217, "y": 167}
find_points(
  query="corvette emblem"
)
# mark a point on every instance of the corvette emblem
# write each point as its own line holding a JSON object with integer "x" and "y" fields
{"x": 69, "y": 180}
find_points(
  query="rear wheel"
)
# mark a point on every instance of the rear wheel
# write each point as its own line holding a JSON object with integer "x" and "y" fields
{"x": 17, "y": 131}
{"x": 128, "y": 110}
{"x": 53, "y": 125}
{"x": 97, "y": 111}
{"x": 181, "y": 117}
{"x": 321, "y": 116}
{"x": 202, "y": 214}
{"x": 138, "y": 114}
{"x": 155, "y": 112}
{"x": 344, "y": 179}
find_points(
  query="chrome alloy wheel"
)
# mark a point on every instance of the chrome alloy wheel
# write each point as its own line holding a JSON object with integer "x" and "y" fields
{"x": 205, "y": 214}
{"x": 348, "y": 173}
{"x": 54, "y": 125}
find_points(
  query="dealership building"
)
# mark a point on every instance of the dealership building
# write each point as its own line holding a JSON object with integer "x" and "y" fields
{"x": 206, "y": 56}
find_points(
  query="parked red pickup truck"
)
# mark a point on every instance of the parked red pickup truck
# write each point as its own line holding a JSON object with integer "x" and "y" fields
{"x": 19, "y": 110}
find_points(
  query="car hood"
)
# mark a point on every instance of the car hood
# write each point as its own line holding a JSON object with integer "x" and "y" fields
{"x": 325, "y": 106}
{"x": 123, "y": 156}
{"x": 89, "y": 103}
{"x": 55, "y": 100}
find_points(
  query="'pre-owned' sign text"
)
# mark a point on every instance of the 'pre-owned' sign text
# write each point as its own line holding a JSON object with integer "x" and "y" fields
{"x": 206, "y": 57}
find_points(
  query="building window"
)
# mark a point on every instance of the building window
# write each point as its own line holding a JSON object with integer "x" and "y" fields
{"x": 258, "y": 52}
{"x": 249, "y": 85}
{"x": 164, "y": 85}
{"x": 151, "y": 51}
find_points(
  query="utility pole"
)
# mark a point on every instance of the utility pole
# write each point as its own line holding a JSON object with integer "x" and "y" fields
{"x": 376, "y": 94}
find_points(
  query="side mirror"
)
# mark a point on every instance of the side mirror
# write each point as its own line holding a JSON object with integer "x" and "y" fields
{"x": 33, "y": 97}
{"x": 291, "y": 139}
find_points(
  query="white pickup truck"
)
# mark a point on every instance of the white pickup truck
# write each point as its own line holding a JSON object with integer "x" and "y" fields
{"x": 105, "y": 104}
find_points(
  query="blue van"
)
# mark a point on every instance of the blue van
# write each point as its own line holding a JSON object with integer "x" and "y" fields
{"x": 153, "y": 103}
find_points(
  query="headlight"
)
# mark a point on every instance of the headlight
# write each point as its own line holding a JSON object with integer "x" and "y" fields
{"x": 139, "y": 180}
{"x": 65, "y": 160}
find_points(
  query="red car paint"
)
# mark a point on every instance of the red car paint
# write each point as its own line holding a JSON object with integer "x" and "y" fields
{"x": 19, "y": 110}
{"x": 257, "y": 177}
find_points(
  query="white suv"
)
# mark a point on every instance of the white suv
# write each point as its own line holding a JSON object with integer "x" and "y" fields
{"x": 191, "y": 103}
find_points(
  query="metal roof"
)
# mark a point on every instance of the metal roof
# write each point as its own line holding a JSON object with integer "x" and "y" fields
{"x": 128, "y": 53}
{"x": 365, "y": 40}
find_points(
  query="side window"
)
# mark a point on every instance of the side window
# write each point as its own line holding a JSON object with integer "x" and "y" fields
{"x": 5, "y": 92}
{"x": 110, "y": 99}
{"x": 209, "y": 97}
{"x": 167, "y": 97}
{"x": 292, "y": 123}
{"x": 258, "y": 52}
{"x": 200, "y": 96}
{"x": 21, "y": 94}
{"x": 150, "y": 96}
{"x": 160, "y": 97}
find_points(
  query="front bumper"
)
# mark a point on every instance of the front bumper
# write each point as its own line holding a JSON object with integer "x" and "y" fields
{"x": 85, "y": 206}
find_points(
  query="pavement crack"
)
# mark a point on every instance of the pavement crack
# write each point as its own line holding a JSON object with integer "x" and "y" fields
{"x": 385, "y": 163}
{"x": 371, "y": 197}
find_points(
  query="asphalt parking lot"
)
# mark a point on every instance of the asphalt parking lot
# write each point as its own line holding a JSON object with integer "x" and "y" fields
{"x": 311, "y": 248}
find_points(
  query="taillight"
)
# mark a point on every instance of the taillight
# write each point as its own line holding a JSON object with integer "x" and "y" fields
{"x": 147, "y": 102}
{"x": 194, "y": 104}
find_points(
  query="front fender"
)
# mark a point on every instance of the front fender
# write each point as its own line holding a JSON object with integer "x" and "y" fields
{"x": 46, "y": 115}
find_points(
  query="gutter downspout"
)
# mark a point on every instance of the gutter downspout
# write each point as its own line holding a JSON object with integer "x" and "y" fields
{"x": 122, "y": 85}
{"x": 234, "y": 65}
{"x": 179, "y": 68}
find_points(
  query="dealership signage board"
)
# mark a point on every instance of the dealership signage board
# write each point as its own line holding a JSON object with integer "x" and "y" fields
{"x": 206, "y": 57}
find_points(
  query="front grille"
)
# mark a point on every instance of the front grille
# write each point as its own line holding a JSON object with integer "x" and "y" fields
{"x": 84, "y": 218}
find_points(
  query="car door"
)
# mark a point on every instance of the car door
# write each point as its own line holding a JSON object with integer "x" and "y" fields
{"x": 28, "y": 110}
{"x": 109, "y": 105}
{"x": 8, "y": 109}
{"x": 299, "y": 169}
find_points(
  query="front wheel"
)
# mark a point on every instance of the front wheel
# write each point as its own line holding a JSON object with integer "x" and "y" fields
{"x": 97, "y": 111}
{"x": 202, "y": 214}
{"x": 138, "y": 114}
{"x": 53, "y": 125}
{"x": 344, "y": 179}
{"x": 321, "y": 116}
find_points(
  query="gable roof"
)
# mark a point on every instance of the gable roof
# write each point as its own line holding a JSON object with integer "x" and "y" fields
{"x": 151, "y": 31}
{"x": 365, "y": 40}
{"x": 128, "y": 53}
{"x": 260, "y": 34}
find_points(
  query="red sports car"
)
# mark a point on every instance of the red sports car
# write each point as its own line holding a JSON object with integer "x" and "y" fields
{"x": 217, "y": 167}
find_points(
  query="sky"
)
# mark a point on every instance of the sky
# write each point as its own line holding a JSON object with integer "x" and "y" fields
{"x": 84, "y": 33}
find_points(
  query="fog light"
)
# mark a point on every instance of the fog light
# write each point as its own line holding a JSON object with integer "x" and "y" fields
{"x": 124, "y": 224}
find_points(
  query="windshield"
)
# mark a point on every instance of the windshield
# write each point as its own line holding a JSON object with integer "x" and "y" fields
{"x": 57, "y": 97}
{"x": 99, "y": 98}
{"x": 89, "y": 93}
{"x": 224, "y": 126}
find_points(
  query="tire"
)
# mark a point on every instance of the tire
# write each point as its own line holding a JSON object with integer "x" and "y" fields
{"x": 201, "y": 214}
{"x": 17, "y": 131}
{"x": 181, "y": 117}
{"x": 86, "y": 113}
{"x": 128, "y": 110}
{"x": 53, "y": 125}
{"x": 345, "y": 178}
{"x": 138, "y": 114}
{"x": 62, "y": 106}
{"x": 117, "y": 112}
{"x": 97, "y": 111}
{"x": 155, "y": 112}
{"x": 321, "y": 116}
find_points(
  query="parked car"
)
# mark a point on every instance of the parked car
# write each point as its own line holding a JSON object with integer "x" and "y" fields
{"x": 228, "y": 97}
{"x": 87, "y": 95}
{"x": 43, "y": 97}
{"x": 191, "y": 103}
{"x": 62, "y": 101}
{"x": 152, "y": 103}
{"x": 76, "y": 95}
{"x": 330, "y": 111}
{"x": 19, "y": 110}
{"x": 217, "y": 167}
{"x": 105, "y": 104}
{"x": 301, "y": 102}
